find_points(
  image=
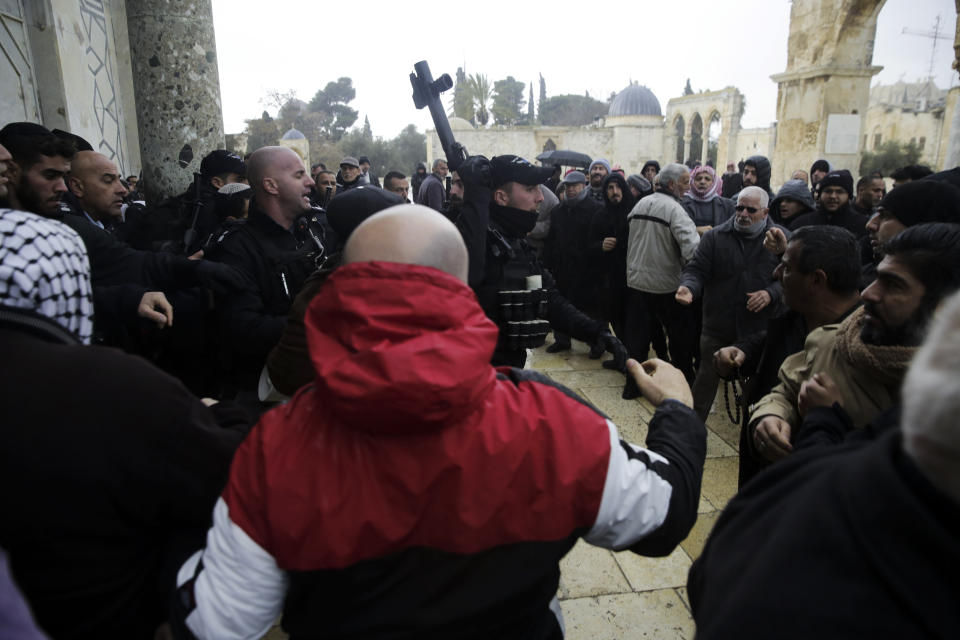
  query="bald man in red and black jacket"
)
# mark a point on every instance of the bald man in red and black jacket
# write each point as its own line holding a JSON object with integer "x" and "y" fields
{"x": 416, "y": 491}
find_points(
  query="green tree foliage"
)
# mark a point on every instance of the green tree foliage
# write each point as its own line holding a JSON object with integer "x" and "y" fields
{"x": 332, "y": 103}
{"x": 262, "y": 132}
{"x": 530, "y": 116}
{"x": 481, "y": 92}
{"x": 399, "y": 154}
{"x": 507, "y": 101}
{"x": 463, "y": 106}
{"x": 891, "y": 156}
{"x": 570, "y": 110}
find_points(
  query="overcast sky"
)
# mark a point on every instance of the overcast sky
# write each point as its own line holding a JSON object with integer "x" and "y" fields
{"x": 300, "y": 45}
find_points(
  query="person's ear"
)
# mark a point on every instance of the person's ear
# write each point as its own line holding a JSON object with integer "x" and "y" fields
{"x": 75, "y": 185}
{"x": 216, "y": 182}
{"x": 270, "y": 186}
{"x": 500, "y": 197}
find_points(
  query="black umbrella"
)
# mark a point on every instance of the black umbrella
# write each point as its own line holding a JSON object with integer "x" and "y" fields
{"x": 565, "y": 158}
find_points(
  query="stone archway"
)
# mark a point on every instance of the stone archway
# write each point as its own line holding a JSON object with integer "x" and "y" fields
{"x": 714, "y": 129}
{"x": 826, "y": 85}
{"x": 678, "y": 131}
{"x": 696, "y": 138}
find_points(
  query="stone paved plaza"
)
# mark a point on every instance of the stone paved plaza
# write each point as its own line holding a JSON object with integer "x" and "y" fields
{"x": 606, "y": 595}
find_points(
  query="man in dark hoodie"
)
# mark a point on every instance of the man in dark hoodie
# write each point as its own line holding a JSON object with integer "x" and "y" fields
{"x": 756, "y": 173}
{"x": 607, "y": 248}
{"x": 818, "y": 171}
{"x": 836, "y": 190}
{"x": 417, "y": 179}
{"x": 917, "y": 202}
{"x": 566, "y": 252}
{"x": 650, "y": 170}
{"x": 792, "y": 201}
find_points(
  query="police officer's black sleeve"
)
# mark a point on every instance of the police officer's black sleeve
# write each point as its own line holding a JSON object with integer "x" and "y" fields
{"x": 566, "y": 318}
{"x": 472, "y": 223}
{"x": 248, "y": 326}
{"x": 114, "y": 263}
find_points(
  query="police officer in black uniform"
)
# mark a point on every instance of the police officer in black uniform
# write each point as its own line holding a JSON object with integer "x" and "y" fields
{"x": 277, "y": 247}
{"x": 516, "y": 292}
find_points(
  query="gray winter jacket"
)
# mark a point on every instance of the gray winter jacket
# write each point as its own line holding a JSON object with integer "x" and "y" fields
{"x": 661, "y": 240}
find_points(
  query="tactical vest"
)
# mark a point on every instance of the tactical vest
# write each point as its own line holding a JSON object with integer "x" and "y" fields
{"x": 518, "y": 311}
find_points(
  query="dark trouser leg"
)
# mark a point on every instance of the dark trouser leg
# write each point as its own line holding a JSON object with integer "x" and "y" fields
{"x": 636, "y": 330}
{"x": 677, "y": 320}
{"x": 705, "y": 386}
{"x": 561, "y": 342}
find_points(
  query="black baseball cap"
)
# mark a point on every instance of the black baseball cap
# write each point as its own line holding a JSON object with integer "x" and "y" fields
{"x": 221, "y": 161}
{"x": 509, "y": 168}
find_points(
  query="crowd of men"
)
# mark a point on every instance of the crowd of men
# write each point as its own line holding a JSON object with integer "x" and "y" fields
{"x": 339, "y": 428}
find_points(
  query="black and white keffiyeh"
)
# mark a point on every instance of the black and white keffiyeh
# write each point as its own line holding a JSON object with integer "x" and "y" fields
{"x": 44, "y": 268}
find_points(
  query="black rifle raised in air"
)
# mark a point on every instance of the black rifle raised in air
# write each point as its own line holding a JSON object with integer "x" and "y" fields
{"x": 426, "y": 93}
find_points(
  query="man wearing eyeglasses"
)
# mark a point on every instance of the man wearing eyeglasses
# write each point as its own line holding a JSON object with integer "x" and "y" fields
{"x": 734, "y": 274}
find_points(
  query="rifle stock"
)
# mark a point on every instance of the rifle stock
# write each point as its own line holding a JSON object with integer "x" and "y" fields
{"x": 426, "y": 93}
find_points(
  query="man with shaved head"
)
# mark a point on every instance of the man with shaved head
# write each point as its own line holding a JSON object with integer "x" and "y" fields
{"x": 409, "y": 234}
{"x": 270, "y": 250}
{"x": 95, "y": 182}
{"x": 413, "y": 490}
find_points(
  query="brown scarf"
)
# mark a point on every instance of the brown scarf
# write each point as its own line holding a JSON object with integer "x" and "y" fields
{"x": 888, "y": 364}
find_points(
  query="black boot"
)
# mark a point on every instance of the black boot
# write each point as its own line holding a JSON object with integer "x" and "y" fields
{"x": 558, "y": 346}
{"x": 630, "y": 390}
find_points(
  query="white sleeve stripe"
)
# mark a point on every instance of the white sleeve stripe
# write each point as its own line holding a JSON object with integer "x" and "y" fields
{"x": 240, "y": 590}
{"x": 635, "y": 501}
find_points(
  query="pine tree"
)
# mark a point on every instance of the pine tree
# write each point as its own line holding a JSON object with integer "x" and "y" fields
{"x": 530, "y": 106}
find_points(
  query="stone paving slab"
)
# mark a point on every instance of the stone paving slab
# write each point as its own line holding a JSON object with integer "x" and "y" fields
{"x": 658, "y": 615}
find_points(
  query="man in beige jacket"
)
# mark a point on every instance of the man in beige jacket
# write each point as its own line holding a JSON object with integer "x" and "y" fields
{"x": 860, "y": 362}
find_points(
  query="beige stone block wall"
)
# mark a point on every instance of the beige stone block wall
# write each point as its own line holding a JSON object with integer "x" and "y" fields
{"x": 97, "y": 83}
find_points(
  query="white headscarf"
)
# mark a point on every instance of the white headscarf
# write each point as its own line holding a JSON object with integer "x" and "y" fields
{"x": 44, "y": 268}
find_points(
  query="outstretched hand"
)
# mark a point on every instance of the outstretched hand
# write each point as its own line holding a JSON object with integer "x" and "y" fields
{"x": 659, "y": 381}
{"x": 475, "y": 170}
{"x": 775, "y": 241}
{"x": 619, "y": 352}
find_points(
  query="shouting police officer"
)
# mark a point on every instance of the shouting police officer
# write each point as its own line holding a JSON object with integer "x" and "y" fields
{"x": 500, "y": 208}
{"x": 272, "y": 249}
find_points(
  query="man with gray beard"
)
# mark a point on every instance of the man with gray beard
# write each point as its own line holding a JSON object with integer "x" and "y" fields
{"x": 733, "y": 273}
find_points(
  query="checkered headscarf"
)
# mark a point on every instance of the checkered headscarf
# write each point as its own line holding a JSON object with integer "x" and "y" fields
{"x": 44, "y": 268}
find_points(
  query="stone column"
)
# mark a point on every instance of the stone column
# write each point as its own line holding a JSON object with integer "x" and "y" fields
{"x": 177, "y": 87}
{"x": 823, "y": 94}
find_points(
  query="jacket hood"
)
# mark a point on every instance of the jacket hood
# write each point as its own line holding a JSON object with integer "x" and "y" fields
{"x": 399, "y": 348}
{"x": 762, "y": 166}
{"x": 626, "y": 204}
{"x": 793, "y": 190}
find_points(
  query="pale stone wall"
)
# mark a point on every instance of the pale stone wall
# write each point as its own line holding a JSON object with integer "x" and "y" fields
{"x": 756, "y": 142}
{"x": 829, "y": 66}
{"x": 300, "y": 146}
{"x": 87, "y": 87}
{"x": 902, "y": 126}
{"x": 629, "y": 146}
